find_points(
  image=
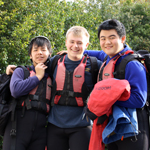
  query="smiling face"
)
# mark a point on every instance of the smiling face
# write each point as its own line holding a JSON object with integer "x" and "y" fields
{"x": 39, "y": 54}
{"x": 110, "y": 42}
{"x": 76, "y": 44}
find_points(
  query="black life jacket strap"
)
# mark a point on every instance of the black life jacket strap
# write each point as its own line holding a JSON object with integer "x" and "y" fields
{"x": 38, "y": 98}
{"x": 85, "y": 58}
{"x": 27, "y": 103}
{"x": 101, "y": 119}
{"x": 14, "y": 124}
{"x": 69, "y": 93}
{"x": 13, "y": 134}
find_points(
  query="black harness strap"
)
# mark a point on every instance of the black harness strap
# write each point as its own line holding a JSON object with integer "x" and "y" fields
{"x": 94, "y": 69}
{"x": 14, "y": 122}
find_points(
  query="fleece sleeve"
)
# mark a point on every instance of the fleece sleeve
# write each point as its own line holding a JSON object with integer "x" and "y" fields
{"x": 19, "y": 86}
{"x": 96, "y": 53}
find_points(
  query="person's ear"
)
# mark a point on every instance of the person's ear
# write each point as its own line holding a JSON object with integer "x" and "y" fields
{"x": 30, "y": 56}
{"x": 66, "y": 43}
{"x": 87, "y": 44}
{"x": 123, "y": 39}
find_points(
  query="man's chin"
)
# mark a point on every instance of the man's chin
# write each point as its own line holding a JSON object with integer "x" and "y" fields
{"x": 75, "y": 57}
{"x": 40, "y": 62}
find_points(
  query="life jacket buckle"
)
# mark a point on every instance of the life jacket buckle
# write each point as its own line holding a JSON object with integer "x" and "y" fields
{"x": 70, "y": 94}
{"x": 13, "y": 132}
{"x": 36, "y": 97}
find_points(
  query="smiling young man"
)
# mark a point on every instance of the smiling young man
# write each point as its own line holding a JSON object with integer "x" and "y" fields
{"x": 110, "y": 42}
{"x": 112, "y": 37}
{"x": 68, "y": 127}
{"x": 76, "y": 43}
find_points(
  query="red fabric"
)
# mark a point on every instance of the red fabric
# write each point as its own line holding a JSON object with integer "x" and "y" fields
{"x": 103, "y": 96}
{"x": 106, "y": 93}
{"x": 96, "y": 135}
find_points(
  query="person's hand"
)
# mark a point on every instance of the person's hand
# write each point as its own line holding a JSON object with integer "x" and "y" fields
{"x": 62, "y": 52}
{"x": 10, "y": 69}
{"x": 40, "y": 70}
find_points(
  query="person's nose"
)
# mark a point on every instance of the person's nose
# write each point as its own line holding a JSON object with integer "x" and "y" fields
{"x": 39, "y": 51}
{"x": 107, "y": 41}
{"x": 75, "y": 44}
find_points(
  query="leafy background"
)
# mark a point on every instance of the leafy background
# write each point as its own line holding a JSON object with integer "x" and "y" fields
{"x": 20, "y": 21}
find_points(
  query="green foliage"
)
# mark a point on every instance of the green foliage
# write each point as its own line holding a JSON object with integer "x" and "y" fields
{"x": 138, "y": 25}
{"x": 22, "y": 20}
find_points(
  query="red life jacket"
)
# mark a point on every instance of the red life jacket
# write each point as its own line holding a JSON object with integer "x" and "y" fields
{"x": 70, "y": 88}
{"x": 39, "y": 97}
{"x": 107, "y": 71}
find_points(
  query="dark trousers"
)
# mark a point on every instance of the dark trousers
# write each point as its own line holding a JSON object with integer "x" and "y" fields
{"x": 70, "y": 138}
{"x": 30, "y": 131}
{"x": 142, "y": 142}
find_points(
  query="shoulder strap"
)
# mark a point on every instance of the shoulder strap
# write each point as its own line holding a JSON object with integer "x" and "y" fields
{"x": 120, "y": 69}
{"x": 106, "y": 58}
{"x": 94, "y": 68}
{"x": 26, "y": 70}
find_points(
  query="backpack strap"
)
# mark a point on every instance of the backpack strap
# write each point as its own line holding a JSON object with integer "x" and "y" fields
{"x": 94, "y": 69}
{"x": 14, "y": 123}
{"x": 26, "y": 70}
{"x": 120, "y": 69}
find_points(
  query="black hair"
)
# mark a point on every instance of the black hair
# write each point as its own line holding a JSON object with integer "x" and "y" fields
{"x": 40, "y": 41}
{"x": 112, "y": 24}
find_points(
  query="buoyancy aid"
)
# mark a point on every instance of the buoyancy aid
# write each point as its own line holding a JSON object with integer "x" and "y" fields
{"x": 108, "y": 71}
{"x": 69, "y": 87}
{"x": 39, "y": 97}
